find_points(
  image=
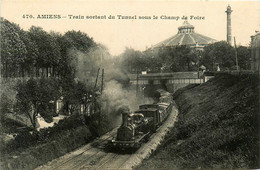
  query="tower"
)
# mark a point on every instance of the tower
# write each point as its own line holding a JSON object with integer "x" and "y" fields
{"x": 229, "y": 36}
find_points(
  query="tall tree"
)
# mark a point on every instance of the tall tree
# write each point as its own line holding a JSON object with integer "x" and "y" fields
{"x": 12, "y": 48}
{"x": 57, "y": 41}
{"x": 220, "y": 53}
{"x": 72, "y": 44}
{"x": 243, "y": 55}
{"x": 35, "y": 97}
{"x": 133, "y": 61}
{"x": 31, "y": 55}
{"x": 49, "y": 50}
{"x": 79, "y": 40}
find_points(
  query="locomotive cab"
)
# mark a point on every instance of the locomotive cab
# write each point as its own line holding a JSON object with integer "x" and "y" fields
{"x": 137, "y": 118}
{"x": 152, "y": 114}
{"x": 147, "y": 106}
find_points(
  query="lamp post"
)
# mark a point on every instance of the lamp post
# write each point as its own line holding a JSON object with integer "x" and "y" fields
{"x": 198, "y": 69}
{"x": 84, "y": 103}
{"x": 236, "y": 53}
{"x": 143, "y": 93}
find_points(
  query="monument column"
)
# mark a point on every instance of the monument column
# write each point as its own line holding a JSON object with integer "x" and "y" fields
{"x": 229, "y": 36}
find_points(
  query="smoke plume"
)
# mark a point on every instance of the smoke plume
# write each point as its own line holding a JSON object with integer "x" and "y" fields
{"x": 116, "y": 86}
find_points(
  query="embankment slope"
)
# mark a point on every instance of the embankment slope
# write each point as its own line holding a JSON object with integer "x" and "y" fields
{"x": 217, "y": 127}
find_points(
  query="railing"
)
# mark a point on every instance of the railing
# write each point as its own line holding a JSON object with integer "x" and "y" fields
{"x": 232, "y": 72}
{"x": 170, "y": 81}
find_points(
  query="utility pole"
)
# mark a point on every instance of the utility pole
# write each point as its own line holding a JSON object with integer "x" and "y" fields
{"x": 96, "y": 79}
{"x": 198, "y": 65}
{"x": 102, "y": 88}
{"x": 236, "y": 52}
{"x": 137, "y": 86}
{"x": 102, "y": 81}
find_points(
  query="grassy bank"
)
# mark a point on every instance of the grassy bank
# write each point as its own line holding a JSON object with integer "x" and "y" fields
{"x": 217, "y": 127}
{"x": 34, "y": 156}
{"x": 29, "y": 150}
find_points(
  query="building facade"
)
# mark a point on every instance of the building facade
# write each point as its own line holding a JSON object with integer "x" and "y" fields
{"x": 255, "y": 52}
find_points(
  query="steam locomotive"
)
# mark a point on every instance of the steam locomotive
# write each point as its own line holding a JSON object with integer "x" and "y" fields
{"x": 138, "y": 126}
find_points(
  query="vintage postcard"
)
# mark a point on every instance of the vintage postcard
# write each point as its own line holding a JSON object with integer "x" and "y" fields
{"x": 151, "y": 84}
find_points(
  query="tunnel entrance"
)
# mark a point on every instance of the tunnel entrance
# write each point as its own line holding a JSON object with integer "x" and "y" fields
{"x": 153, "y": 85}
{"x": 163, "y": 84}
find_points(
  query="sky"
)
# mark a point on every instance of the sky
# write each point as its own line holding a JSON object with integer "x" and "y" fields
{"x": 117, "y": 34}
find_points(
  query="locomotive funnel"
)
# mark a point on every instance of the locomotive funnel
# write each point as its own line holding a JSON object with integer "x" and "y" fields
{"x": 124, "y": 118}
{"x": 124, "y": 111}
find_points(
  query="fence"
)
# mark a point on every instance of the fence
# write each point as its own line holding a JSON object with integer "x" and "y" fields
{"x": 171, "y": 84}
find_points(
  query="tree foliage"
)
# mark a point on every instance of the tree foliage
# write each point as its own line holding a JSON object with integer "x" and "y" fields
{"x": 74, "y": 94}
{"x": 32, "y": 52}
{"x": 243, "y": 55}
{"x": 79, "y": 40}
{"x": 177, "y": 58}
{"x": 36, "y": 97}
{"x": 184, "y": 58}
{"x": 160, "y": 60}
{"x": 48, "y": 46}
{"x": 220, "y": 53}
{"x": 223, "y": 54}
{"x": 39, "y": 53}
{"x": 13, "y": 49}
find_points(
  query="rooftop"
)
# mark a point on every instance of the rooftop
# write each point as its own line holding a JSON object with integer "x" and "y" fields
{"x": 186, "y": 36}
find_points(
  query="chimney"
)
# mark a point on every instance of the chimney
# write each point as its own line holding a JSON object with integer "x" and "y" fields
{"x": 229, "y": 36}
{"x": 124, "y": 118}
{"x": 124, "y": 110}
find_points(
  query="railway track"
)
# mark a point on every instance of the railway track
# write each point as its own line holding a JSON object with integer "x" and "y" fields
{"x": 94, "y": 156}
{"x": 82, "y": 156}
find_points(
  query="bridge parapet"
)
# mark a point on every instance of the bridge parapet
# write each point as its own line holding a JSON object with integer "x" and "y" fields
{"x": 171, "y": 81}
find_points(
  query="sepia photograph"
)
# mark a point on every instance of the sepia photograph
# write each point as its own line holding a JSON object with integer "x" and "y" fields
{"x": 148, "y": 84}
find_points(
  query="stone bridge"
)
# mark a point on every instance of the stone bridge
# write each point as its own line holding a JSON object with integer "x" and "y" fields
{"x": 148, "y": 83}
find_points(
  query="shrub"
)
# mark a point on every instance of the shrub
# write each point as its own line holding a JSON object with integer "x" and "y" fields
{"x": 34, "y": 156}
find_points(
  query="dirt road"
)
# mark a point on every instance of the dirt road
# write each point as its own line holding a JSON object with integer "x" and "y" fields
{"x": 93, "y": 155}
